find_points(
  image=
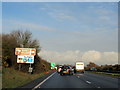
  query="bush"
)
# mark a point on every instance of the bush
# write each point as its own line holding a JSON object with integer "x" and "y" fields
{"x": 21, "y": 39}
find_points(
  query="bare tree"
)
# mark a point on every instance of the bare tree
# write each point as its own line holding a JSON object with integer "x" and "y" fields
{"x": 25, "y": 39}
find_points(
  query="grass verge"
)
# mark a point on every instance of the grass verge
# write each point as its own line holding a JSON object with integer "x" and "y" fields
{"x": 106, "y": 74}
{"x": 12, "y": 78}
{"x": 0, "y": 81}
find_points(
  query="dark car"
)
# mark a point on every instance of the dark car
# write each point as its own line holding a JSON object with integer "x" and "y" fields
{"x": 66, "y": 70}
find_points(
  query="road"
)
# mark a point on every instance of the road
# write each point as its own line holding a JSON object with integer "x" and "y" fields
{"x": 86, "y": 80}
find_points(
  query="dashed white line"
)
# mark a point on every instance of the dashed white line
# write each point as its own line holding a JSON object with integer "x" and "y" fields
{"x": 38, "y": 86}
{"x": 88, "y": 82}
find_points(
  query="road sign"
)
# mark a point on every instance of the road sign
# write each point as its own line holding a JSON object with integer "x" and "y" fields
{"x": 25, "y": 51}
{"x": 25, "y": 59}
{"x": 52, "y": 65}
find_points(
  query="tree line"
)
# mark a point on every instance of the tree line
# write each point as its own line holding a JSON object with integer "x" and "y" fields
{"x": 24, "y": 39}
{"x": 104, "y": 68}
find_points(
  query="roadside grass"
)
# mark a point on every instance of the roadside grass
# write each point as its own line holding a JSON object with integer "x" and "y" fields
{"x": 105, "y": 74}
{"x": 12, "y": 78}
{"x": 0, "y": 77}
{"x": 0, "y": 81}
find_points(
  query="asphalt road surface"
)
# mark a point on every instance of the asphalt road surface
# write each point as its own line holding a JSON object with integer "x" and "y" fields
{"x": 86, "y": 80}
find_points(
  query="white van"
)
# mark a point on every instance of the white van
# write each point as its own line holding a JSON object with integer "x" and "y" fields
{"x": 79, "y": 67}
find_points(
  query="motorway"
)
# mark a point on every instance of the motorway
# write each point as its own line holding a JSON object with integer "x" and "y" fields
{"x": 86, "y": 80}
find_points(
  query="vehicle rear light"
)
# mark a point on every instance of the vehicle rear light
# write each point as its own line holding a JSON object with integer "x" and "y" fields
{"x": 68, "y": 69}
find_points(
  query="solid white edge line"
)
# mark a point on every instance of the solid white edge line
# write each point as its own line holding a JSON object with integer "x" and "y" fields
{"x": 98, "y": 87}
{"x": 43, "y": 81}
{"x": 88, "y": 82}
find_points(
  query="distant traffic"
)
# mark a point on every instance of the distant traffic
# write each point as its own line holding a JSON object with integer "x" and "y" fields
{"x": 71, "y": 70}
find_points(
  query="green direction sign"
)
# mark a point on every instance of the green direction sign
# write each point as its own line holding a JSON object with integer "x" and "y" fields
{"x": 52, "y": 65}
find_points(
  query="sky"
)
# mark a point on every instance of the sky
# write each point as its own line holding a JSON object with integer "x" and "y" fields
{"x": 60, "y": 0}
{"x": 67, "y": 31}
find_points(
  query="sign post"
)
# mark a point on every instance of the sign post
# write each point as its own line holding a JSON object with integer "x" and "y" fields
{"x": 30, "y": 69}
{"x": 25, "y": 55}
{"x": 19, "y": 66}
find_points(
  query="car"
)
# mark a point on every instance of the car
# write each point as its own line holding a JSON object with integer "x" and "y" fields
{"x": 66, "y": 70}
{"x": 59, "y": 69}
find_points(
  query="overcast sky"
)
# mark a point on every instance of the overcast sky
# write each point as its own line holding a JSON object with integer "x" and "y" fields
{"x": 68, "y": 31}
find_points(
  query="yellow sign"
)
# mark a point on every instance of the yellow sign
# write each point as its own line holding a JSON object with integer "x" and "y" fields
{"x": 25, "y": 51}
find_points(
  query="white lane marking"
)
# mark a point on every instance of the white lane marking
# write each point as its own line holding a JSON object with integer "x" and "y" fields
{"x": 88, "y": 82}
{"x": 38, "y": 86}
{"x": 78, "y": 76}
{"x": 98, "y": 87}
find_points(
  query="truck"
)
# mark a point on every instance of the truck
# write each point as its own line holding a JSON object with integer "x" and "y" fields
{"x": 79, "y": 67}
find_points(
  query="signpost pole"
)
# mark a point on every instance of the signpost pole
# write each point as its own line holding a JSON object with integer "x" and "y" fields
{"x": 30, "y": 69}
{"x": 30, "y": 65}
{"x": 19, "y": 66}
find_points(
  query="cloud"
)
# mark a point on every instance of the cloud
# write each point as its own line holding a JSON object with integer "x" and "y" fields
{"x": 43, "y": 8}
{"x": 16, "y": 24}
{"x": 110, "y": 57}
{"x": 60, "y": 57}
{"x": 97, "y": 38}
{"x": 58, "y": 11}
{"x": 70, "y": 57}
{"x": 100, "y": 14}
{"x": 91, "y": 56}
{"x": 61, "y": 15}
